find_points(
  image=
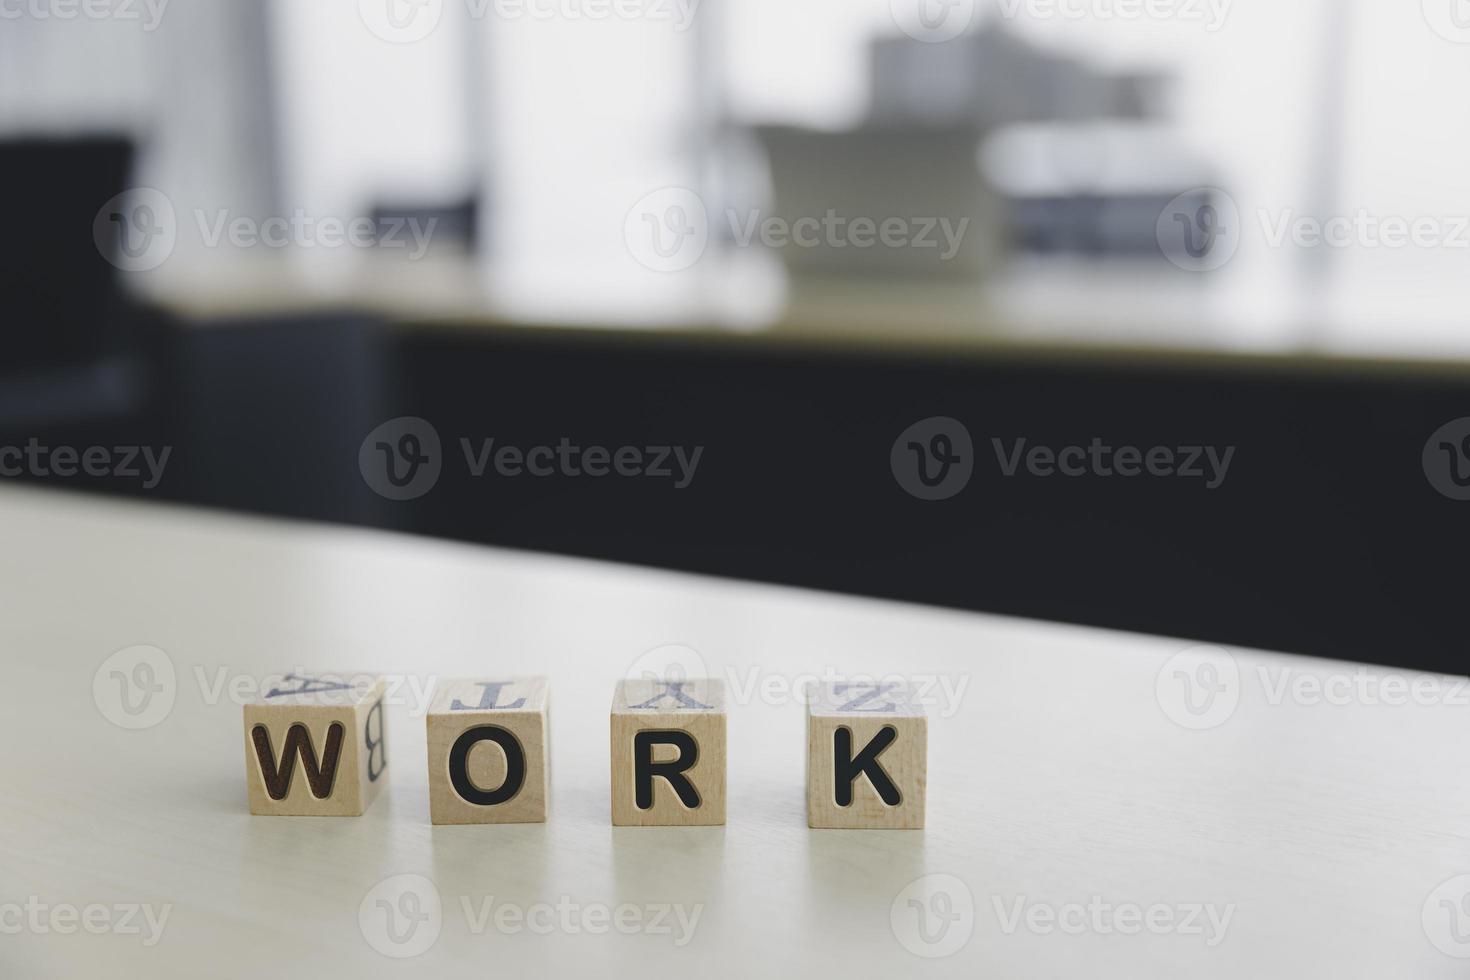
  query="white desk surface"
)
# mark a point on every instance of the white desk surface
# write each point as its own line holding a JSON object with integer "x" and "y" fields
{"x": 1325, "y": 831}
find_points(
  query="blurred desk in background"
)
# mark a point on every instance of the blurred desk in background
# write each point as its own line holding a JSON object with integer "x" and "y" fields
{"x": 1046, "y": 306}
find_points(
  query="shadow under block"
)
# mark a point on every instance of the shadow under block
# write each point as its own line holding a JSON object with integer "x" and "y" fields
{"x": 488, "y": 760}
{"x": 315, "y": 745}
{"x": 867, "y": 757}
{"x": 668, "y": 753}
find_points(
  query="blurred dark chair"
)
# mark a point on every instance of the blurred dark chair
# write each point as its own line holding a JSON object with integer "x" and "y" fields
{"x": 78, "y": 358}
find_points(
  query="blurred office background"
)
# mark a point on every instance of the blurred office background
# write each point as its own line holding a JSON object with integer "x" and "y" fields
{"x": 541, "y": 145}
{"x": 532, "y": 129}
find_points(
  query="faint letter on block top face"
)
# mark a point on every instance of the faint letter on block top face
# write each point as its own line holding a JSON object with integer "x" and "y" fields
{"x": 488, "y": 760}
{"x": 867, "y": 756}
{"x": 316, "y": 745}
{"x": 668, "y": 753}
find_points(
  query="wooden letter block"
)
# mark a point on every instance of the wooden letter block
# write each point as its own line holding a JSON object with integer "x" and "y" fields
{"x": 315, "y": 746}
{"x": 867, "y": 757}
{"x": 488, "y": 751}
{"x": 668, "y": 753}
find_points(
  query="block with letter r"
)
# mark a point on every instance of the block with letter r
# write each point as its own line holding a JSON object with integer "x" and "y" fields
{"x": 867, "y": 756}
{"x": 316, "y": 745}
{"x": 488, "y": 759}
{"x": 668, "y": 753}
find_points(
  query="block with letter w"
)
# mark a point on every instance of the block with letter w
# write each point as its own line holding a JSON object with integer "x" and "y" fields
{"x": 316, "y": 745}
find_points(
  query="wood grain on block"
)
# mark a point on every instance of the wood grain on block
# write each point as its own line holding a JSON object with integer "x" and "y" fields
{"x": 488, "y": 757}
{"x": 867, "y": 756}
{"x": 316, "y": 745}
{"x": 668, "y": 753}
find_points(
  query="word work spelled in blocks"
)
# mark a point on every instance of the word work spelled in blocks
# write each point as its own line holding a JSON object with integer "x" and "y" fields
{"x": 315, "y": 745}
{"x": 867, "y": 756}
{"x": 487, "y": 752}
{"x": 668, "y": 753}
